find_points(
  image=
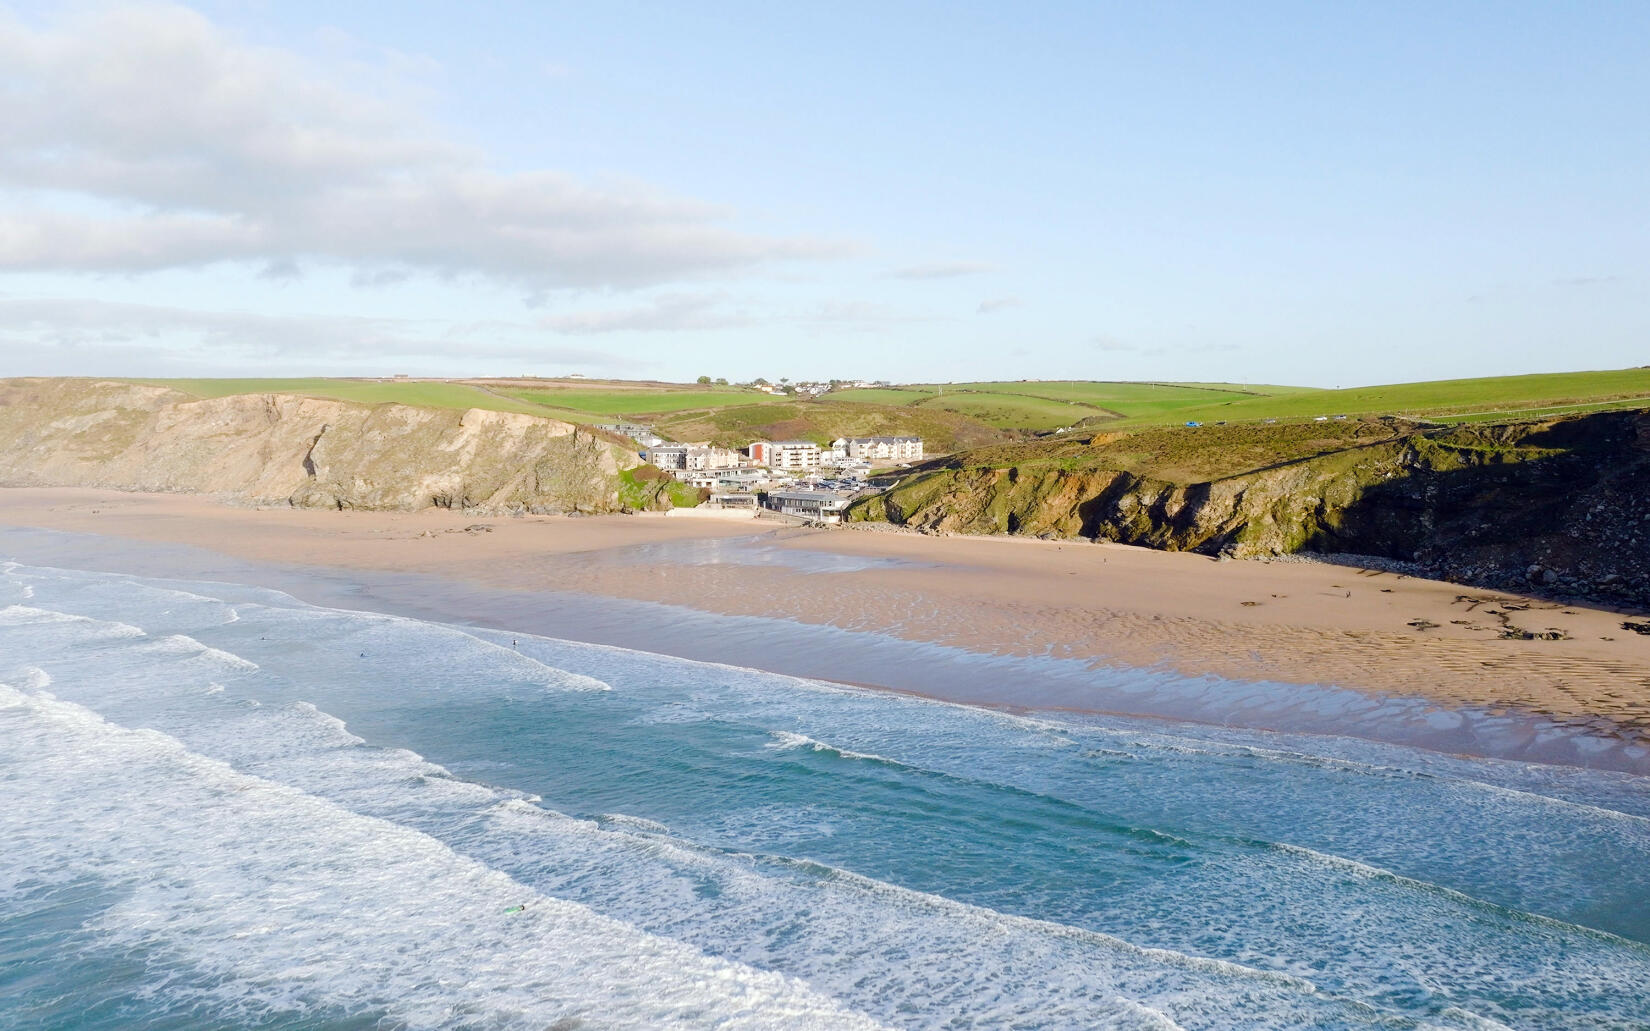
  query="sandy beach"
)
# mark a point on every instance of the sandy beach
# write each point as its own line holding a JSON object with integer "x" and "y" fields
{"x": 1297, "y": 622}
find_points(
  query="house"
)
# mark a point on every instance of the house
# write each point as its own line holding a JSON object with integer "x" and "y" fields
{"x": 885, "y": 449}
{"x": 822, "y": 506}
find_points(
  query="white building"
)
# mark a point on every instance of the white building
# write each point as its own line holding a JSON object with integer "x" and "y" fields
{"x": 668, "y": 456}
{"x": 746, "y": 478}
{"x": 705, "y": 457}
{"x": 885, "y": 449}
{"x": 785, "y": 454}
{"x": 809, "y": 504}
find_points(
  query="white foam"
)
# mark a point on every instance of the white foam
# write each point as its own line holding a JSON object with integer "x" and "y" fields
{"x": 932, "y": 960}
{"x": 785, "y": 741}
{"x": 184, "y": 646}
{"x": 334, "y": 912}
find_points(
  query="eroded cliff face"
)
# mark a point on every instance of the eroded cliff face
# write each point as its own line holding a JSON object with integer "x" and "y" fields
{"x": 1561, "y": 506}
{"x": 308, "y": 452}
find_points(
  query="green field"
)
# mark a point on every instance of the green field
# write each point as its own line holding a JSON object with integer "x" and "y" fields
{"x": 428, "y": 395}
{"x": 634, "y": 404}
{"x": 1040, "y": 406}
{"x": 775, "y": 419}
{"x": 955, "y": 416}
{"x": 1501, "y": 397}
{"x": 879, "y": 395}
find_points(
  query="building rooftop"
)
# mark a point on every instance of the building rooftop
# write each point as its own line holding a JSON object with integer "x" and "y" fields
{"x": 809, "y": 495}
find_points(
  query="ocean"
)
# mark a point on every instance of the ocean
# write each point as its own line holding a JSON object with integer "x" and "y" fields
{"x": 224, "y": 807}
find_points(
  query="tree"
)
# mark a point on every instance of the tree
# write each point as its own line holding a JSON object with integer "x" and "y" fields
{"x": 759, "y": 381}
{"x": 703, "y": 381}
{"x": 721, "y": 381}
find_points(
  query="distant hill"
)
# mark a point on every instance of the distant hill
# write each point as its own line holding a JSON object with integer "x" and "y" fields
{"x": 957, "y": 416}
{"x": 1558, "y": 505}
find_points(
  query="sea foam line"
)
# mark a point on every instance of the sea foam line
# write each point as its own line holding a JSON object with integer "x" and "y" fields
{"x": 375, "y": 915}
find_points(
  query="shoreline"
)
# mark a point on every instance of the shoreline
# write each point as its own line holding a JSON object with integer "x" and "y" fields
{"x": 1384, "y": 635}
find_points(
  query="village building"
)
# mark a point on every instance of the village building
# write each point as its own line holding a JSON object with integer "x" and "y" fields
{"x": 818, "y": 505}
{"x": 745, "y": 478}
{"x": 706, "y": 457}
{"x": 785, "y": 454}
{"x": 883, "y": 449}
{"x": 667, "y": 456}
{"x": 731, "y": 499}
{"x": 635, "y": 431}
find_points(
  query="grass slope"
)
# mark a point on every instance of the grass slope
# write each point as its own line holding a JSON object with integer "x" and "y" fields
{"x": 820, "y": 422}
{"x": 640, "y": 404}
{"x": 1499, "y": 397}
{"x": 956, "y": 416}
{"x": 427, "y": 395}
{"x": 1040, "y": 406}
{"x": 1181, "y": 455}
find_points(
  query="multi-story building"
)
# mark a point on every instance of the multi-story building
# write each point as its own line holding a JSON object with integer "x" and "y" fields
{"x": 668, "y": 456}
{"x": 785, "y": 454}
{"x": 883, "y": 449}
{"x": 712, "y": 458}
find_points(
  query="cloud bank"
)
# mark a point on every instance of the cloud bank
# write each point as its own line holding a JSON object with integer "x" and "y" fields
{"x": 141, "y": 138}
{"x": 68, "y": 336}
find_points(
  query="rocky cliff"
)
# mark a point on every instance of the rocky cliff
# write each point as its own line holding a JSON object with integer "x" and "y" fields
{"x": 1561, "y": 506}
{"x": 302, "y": 451}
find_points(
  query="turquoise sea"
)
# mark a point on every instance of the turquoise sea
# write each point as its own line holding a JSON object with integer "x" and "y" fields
{"x": 223, "y": 807}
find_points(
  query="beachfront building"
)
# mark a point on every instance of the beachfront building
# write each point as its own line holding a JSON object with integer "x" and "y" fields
{"x": 703, "y": 457}
{"x": 884, "y": 449}
{"x": 785, "y": 454}
{"x": 667, "y": 456}
{"x": 746, "y": 478}
{"x": 731, "y": 499}
{"x": 819, "y": 505}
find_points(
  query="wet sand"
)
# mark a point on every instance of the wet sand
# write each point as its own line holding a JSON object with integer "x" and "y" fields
{"x": 1307, "y": 623}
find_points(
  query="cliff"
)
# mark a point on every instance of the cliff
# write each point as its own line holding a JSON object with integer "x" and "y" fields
{"x": 1561, "y": 506}
{"x": 307, "y": 452}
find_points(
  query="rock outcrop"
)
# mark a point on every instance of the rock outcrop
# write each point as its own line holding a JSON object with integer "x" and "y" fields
{"x": 1559, "y": 506}
{"x": 303, "y": 451}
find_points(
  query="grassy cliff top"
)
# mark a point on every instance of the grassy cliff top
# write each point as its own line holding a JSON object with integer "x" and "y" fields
{"x": 958, "y": 416}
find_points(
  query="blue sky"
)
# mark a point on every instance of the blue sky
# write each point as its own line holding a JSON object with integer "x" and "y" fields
{"x": 1295, "y": 193}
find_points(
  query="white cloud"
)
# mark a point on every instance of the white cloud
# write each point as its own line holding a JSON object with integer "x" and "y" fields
{"x": 997, "y": 304}
{"x": 57, "y": 336}
{"x": 138, "y": 138}
{"x": 942, "y": 270}
{"x": 669, "y": 312}
{"x": 1106, "y": 343}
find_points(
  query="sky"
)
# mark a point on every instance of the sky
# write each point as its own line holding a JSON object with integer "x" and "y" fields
{"x": 1296, "y": 193}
